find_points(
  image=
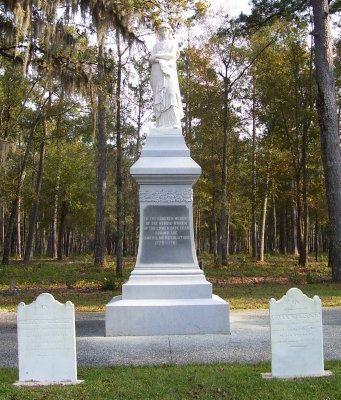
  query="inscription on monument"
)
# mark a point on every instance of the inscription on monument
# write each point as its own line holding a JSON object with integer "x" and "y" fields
{"x": 166, "y": 235}
{"x": 57, "y": 332}
{"x": 296, "y": 330}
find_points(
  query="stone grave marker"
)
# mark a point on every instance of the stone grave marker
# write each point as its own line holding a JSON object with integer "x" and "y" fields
{"x": 296, "y": 336}
{"x": 46, "y": 342}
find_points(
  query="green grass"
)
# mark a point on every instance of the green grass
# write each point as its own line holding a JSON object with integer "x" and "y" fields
{"x": 89, "y": 288}
{"x": 172, "y": 382}
{"x": 68, "y": 273}
{"x": 258, "y": 296}
{"x": 244, "y": 283}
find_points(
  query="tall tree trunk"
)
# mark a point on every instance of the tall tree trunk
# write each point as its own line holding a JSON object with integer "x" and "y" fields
{"x": 42, "y": 241}
{"x": 328, "y": 120}
{"x": 54, "y": 225}
{"x": 18, "y": 219}
{"x": 282, "y": 232}
{"x": 316, "y": 237}
{"x": 215, "y": 232}
{"x": 100, "y": 247}
{"x": 14, "y": 210}
{"x": 273, "y": 239}
{"x": 223, "y": 212}
{"x": 18, "y": 230}
{"x": 55, "y": 219}
{"x": 2, "y": 227}
{"x": 119, "y": 178}
{"x": 303, "y": 259}
{"x": 294, "y": 223}
{"x": 61, "y": 231}
{"x": 254, "y": 244}
{"x": 67, "y": 243}
{"x": 34, "y": 209}
{"x": 36, "y": 239}
{"x": 263, "y": 221}
{"x": 299, "y": 227}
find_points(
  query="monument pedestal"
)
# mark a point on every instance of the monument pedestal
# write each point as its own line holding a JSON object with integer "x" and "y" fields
{"x": 167, "y": 292}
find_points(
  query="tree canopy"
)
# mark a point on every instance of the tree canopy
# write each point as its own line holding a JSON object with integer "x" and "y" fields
{"x": 75, "y": 108}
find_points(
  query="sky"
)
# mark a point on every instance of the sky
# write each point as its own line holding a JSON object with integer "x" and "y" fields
{"x": 233, "y": 7}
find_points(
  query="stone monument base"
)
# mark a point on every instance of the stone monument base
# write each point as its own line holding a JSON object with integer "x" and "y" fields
{"x": 167, "y": 293}
{"x": 154, "y": 317}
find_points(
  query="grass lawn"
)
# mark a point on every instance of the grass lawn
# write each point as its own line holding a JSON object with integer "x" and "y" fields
{"x": 231, "y": 382}
{"x": 244, "y": 283}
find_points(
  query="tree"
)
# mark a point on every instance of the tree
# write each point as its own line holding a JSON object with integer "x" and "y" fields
{"x": 254, "y": 243}
{"x": 204, "y": 106}
{"x": 102, "y": 135}
{"x": 266, "y": 12}
{"x": 226, "y": 42}
{"x": 119, "y": 156}
{"x": 14, "y": 95}
{"x": 329, "y": 133}
{"x": 30, "y": 35}
{"x": 35, "y": 204}
{"x": 22, "y": 173}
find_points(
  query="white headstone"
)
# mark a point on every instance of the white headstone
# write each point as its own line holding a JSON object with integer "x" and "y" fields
{"x": 46, "y": 341}
{"x": 296, "y": 336}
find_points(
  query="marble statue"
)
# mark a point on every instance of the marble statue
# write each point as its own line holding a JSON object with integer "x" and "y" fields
{"x": 164, "y": 80}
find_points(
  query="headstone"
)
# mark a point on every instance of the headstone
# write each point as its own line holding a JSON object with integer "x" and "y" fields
{"x": 296, "y": 336}
{"x": 46, "y": 342}
{"x": 167, "y": 293}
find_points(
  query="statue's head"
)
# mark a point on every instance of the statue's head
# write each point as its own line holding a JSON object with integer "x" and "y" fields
{"x": 164, "y": 30}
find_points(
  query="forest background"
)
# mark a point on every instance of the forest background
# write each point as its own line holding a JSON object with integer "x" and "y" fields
{"x": 75, "y": 106}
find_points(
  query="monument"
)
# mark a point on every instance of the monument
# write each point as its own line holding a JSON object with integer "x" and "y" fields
{"x": 46, "y": 342}
{"x": 167, "y": 292}
{"x": 296, "y": 336}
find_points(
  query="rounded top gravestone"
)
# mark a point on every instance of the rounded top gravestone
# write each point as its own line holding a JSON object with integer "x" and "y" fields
{"x": 46, "y": 342}
{"x": 296, "y": 335}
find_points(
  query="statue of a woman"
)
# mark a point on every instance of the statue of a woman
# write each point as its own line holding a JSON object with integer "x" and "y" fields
{"x": 164, "y": 80}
